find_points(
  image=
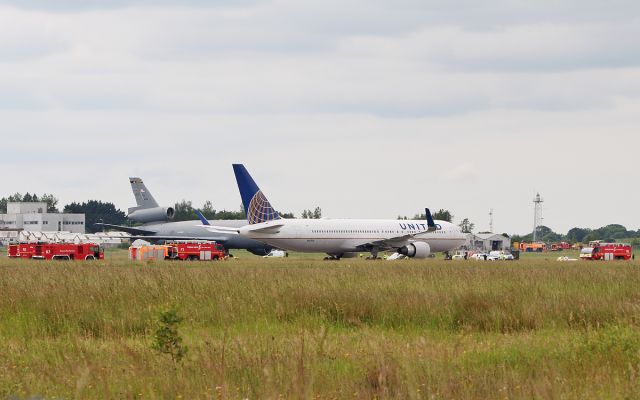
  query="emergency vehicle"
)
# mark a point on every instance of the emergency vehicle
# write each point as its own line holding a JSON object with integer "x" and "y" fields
{"x": 193, "y": 251}
{"x": 208, "y": 251}
{"x": 607, "y": 251}
{"x": 560, "y": 246}
{"x": 537, "y": 247}
{"x": 56, "y": 251}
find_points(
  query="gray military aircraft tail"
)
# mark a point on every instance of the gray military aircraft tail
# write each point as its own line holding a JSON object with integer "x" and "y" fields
{"x": 156, "y": 226}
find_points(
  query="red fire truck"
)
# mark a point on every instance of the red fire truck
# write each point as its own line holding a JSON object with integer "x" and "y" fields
{"x": 537, "y": 247}
{"x": 560, "y": 246}
{"x": 56, "y": 251}
{"x": 205, "y": 251}
{"x": 607, "y": 251}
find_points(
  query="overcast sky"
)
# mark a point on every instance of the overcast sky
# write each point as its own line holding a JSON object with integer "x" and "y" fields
{"x": 366, "y": 108}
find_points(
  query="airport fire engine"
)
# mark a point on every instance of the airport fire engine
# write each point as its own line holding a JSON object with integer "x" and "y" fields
{"x": 607, "y": 251}
{"x": 537, "y": 247}
{"x": 198, "y": 251}
{"x": 203, "y": 251}
{"x": 560, "y": 246}
{"x": 56, "y": 251}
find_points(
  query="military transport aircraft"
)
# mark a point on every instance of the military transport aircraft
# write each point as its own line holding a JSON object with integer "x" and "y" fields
{"x": 157, "y": 226}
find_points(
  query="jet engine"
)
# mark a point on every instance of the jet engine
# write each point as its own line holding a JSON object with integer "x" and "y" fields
{"x": 157, "y": 214}
{"x": 416, "y": 250}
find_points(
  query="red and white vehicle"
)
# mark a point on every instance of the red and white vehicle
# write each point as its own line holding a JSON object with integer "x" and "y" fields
{"x": 607, "y": 251}
{"x": 206, "y": 251}
{"x": 560, "y": 246}
{"x": 56, "y": 251}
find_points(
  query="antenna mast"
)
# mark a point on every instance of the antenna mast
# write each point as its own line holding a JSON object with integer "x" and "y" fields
{"x": 491, "y": 220}
{"x": 537, "y": 215}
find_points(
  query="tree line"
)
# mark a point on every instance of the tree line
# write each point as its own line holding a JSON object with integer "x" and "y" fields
{"x": 98, "y": 211}
{"x": 608, "y": 233}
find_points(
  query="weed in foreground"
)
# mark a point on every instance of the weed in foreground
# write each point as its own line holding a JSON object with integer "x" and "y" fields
{"x": 167, "y": 340}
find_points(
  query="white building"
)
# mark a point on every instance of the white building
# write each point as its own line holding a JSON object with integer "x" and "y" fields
{"x": 487, "y": 242}
{"x": 35, "y": 218}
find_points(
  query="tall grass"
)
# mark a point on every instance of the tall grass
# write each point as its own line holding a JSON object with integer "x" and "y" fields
{"x": 300, "y": 328}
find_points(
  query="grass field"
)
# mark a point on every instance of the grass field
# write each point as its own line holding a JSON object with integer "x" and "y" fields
{"x": 305, "y": 328}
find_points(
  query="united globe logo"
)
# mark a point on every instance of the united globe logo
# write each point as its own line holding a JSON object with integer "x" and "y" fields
{"x": 260, "y": 210}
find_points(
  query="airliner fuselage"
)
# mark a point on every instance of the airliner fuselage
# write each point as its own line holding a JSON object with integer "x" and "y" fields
{"x": 339, "y": 236}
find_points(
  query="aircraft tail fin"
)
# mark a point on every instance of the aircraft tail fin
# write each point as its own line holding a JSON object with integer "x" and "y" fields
{"x": 202, "y": 217}
{"x": 256, "y": 205}
{"x": 430, "y": 223}
{"x": 144, "y": 199}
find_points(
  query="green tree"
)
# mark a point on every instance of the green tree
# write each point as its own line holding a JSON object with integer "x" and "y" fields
{"x": 576, "y": 235}
{"x": 167, "y": 339}
{"x": 184, "y": 211}
{"x": 51, "y": 201}
{"x": 207, "y": 210}
{"x": 466, "y": 226}
{"x": 96, "y": 211}
{"x": 224, "y": 214}
{"x": 315, "y": 214}
{"x": 443, "y": 215}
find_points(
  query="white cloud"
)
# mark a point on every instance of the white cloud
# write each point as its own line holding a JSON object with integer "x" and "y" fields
{"x": 442, "y": 104}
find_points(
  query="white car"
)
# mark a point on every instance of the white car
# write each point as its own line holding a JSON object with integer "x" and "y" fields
{"x": 502, "y": 255}
{"x": 277, "y": 253}
{"x": 492, "y": 256}
{"x": 480, "y": 256}
{"x": 396, "y": 256}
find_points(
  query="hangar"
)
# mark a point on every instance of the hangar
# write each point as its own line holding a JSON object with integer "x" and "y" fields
{"x": 488, "y": 241}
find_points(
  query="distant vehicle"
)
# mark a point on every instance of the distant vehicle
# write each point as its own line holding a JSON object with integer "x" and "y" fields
{"x": 192, "y": 251}
{"x": 461, "y": 255}
{"x": 56, "y": 251}
{"x": 607, "y": 251}
{"x": 479, "y": 257}
{"x": 537, "y": 247}
{"x": 158, "y": 227}
{"x": 565, "y": 258}
{"x": 196, "y": 251}
{"x": 277, "y": 253}
{"x": 341, "y": 237}
{"x": 560, "y": 246}
{"x": 492, "y": 256}
{"x": 502, "y": 255}
{"x": 397, "y": 256}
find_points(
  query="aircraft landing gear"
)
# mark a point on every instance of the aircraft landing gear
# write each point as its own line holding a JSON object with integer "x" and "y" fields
{"x": 332, "y": 258}
{"x": 374, "y": 254}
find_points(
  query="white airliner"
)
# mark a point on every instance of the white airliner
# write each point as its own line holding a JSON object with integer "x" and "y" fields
{"x": 341, "y": 237}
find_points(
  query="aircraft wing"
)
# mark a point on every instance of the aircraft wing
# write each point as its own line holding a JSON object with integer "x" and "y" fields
{"x": 219, "y": 239}
{"x": 399, "y": 241}
{"x": 221, "y": 229}
{"x": 129, "y": 229}
{"x": 270, "y": 229}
